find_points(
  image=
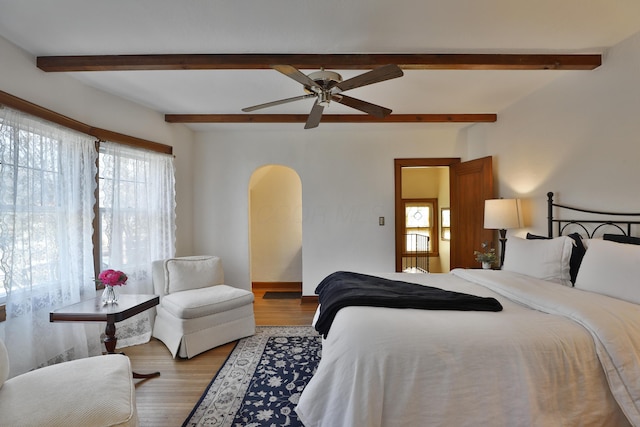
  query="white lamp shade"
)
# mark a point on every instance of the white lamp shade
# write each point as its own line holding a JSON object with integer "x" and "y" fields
{"x": 502, "y": 214}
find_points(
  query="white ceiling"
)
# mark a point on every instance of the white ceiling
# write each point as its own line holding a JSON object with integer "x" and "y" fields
{"x": 92, "y": 27}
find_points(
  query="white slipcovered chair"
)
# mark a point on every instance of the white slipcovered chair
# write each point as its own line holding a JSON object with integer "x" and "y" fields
{"x": 197, "y": 311}
{"x": 94, "y": 391}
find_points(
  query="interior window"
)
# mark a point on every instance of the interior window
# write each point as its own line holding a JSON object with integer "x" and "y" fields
{"x": 421, "y": 226}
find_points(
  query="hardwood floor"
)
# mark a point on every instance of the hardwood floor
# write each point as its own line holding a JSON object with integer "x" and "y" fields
{"x": 166, "y": 401}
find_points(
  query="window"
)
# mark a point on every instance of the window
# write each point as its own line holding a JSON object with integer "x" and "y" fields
{"x": 47, "y": 185}
{"x": 136, "y": 209}
{"x": 136, "y": 222}
{"x": 421, "y": 226}
{"x": 445, "y": 223}
{"x": 34, "y": 169}
{"x": 48, "y": 180}
{"x": 122, "y": 203}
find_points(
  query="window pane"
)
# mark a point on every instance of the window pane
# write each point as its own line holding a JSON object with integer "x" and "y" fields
{"x": 446, "y": 217}
{"x": 126, "y": 200}
{"x": 421, "y": 222}
{"x": 122, "y": 200}
{"x": 30, "y": 173}
{"x": 417, "y": 215}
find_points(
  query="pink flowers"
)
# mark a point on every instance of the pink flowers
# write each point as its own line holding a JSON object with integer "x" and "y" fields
{"x": 112, "y": 278}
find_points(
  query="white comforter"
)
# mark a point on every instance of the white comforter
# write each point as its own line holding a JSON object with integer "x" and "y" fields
{"x": 574, "y": 359}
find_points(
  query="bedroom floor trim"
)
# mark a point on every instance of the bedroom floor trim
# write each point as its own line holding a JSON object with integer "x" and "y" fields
{"x": 277, "y": 286}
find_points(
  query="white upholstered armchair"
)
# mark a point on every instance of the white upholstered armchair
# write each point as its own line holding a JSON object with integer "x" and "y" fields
{"x": 197, "y": 311}
{"x": 94, "y": 391}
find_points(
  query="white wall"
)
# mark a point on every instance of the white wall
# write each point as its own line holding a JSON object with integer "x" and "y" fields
{"x": 578, "y": 137}
{"x": 347, "y": 183}
{"x": 58, "y": 92}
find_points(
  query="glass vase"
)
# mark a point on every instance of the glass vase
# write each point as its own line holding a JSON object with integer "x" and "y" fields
{"x": 109, "y": 295}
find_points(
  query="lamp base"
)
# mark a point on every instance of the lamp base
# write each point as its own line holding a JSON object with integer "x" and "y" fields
{"x": 503, "y": 242}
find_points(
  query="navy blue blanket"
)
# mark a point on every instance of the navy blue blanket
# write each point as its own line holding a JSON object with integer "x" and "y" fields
{"x": 343, "y": 288}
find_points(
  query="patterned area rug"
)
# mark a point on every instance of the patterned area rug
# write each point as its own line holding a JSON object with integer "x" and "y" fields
{"x": 261, "y": 381}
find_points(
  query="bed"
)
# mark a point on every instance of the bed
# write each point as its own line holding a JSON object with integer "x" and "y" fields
{"x": 563, "y": 351}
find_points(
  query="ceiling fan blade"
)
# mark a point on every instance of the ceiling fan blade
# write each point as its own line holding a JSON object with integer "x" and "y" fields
{"x": 381, "y": 74}
{"x": 281, "y": 101}
{"x": 315, "y": 116}
{"x": 296, "y": 75}
{"x": 367, "y": 107}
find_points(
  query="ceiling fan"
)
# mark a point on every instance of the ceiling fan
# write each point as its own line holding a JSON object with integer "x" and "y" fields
{"x": 327, "y": 86}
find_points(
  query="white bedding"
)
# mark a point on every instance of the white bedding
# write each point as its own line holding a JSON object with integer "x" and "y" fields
{"x": 520, "y": 366}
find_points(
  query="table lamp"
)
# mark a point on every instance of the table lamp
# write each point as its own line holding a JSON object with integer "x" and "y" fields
{"x": 502, "y": 214}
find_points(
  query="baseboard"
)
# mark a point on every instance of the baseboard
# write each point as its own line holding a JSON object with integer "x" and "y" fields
{"x": 309, "y": 299}
{"x": 284, "y": 286}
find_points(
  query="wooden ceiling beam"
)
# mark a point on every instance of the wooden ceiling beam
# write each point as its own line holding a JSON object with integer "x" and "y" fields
{"x": 312, "y": 61}
{"x": 329, "y": 118}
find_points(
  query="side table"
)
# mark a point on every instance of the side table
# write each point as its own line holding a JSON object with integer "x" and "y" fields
{"x": 93, "y": 310}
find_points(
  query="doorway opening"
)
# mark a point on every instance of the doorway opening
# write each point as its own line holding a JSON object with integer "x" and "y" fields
{"x": 424, "y": 197}
{"x": 460, "y": 219}
{"x": 275, "y": 228}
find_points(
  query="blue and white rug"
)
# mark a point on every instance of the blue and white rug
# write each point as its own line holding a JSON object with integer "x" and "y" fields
{"x": 261, "y": 381}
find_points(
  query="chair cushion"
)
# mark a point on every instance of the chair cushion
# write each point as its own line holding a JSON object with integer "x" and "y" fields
{"x": 94, "y": 391}
{"x": 4, "y": 363}
{"x": 205, "y": 301}
{"x": 187, "y": 273}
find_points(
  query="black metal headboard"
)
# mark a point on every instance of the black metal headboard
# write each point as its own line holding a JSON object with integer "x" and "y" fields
{"x": 622, "y": 226}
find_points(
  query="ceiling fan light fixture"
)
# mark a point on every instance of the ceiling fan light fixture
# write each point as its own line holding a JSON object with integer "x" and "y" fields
{"x": 324, "y": 98}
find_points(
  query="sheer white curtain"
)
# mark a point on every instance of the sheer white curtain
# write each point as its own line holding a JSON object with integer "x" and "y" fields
{"x": 47, "y": 184}
{"x": 137, "y": 213}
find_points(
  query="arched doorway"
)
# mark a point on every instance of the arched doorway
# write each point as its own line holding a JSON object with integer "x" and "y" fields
{"x": 275, "y": 227}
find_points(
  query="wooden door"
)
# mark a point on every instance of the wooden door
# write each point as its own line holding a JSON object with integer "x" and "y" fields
{"x": 471, "y": 184}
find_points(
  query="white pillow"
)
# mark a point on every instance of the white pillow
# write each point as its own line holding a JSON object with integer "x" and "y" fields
{"x": 585, "y": 242}
{"x": 612, "y": 269}
{"x": 185, "y": 273}
{"x": 547, "y": 259}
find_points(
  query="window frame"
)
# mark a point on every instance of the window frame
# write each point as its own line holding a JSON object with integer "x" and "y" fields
{"x": 434, "y": 237}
